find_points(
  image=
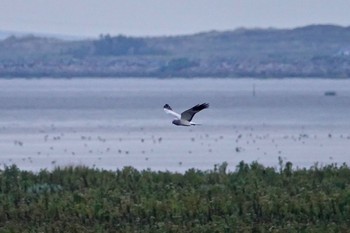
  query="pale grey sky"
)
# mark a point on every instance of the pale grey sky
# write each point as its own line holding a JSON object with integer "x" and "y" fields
{"x": 165, "y": 17}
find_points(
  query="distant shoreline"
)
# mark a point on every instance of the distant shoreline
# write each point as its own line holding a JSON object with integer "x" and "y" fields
{"x": 311, "y": 51}
{"x": 169, "y": 78}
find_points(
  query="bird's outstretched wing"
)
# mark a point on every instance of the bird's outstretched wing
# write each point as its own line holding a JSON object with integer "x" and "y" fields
{"x": 188, "y": 114}
{"x": 170, "y": 111}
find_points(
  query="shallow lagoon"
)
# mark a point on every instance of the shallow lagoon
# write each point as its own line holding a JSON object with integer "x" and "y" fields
{"x": 111, "y": 123}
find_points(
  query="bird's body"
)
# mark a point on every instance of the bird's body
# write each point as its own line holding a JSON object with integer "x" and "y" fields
{"x": 183, "y": 122}
{"x": 185, "y": 119}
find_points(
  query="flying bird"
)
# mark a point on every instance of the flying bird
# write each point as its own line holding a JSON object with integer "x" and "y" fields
{"x": 185, "y": 119}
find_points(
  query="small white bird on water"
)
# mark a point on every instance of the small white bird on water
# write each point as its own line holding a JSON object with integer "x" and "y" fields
{"x": 185, "y": 119}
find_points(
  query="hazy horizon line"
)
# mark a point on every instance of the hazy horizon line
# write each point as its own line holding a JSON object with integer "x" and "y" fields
{"x": 9, "y": 33}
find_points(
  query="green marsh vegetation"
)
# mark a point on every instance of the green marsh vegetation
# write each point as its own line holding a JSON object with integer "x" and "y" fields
{"x": 253, "y": 198}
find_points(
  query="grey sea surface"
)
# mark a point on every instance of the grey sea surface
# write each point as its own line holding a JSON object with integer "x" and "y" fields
{"x": 112, "y": 123}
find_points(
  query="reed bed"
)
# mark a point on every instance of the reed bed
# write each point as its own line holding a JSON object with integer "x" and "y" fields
{"x": 252, "y": 198}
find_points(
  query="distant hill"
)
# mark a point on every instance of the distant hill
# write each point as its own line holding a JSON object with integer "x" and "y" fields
{"x": 311, "y": 51}
{"x": 5, "y": 34}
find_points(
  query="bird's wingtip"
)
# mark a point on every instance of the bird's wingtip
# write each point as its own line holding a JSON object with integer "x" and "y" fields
{"x": 167, "y": 106}
{"x": 200, "y": 107}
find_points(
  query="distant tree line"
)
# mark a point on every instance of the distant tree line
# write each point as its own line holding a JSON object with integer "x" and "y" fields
{"x": 120, "y": 45}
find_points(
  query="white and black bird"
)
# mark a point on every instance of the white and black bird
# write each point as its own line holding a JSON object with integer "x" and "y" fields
{"x": 185, "y": 119}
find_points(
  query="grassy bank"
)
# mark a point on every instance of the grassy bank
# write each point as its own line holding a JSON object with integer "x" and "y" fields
{"x": 253, "y": 198}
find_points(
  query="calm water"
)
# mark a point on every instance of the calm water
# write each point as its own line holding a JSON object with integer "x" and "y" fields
{"x": 111, "y": 123}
